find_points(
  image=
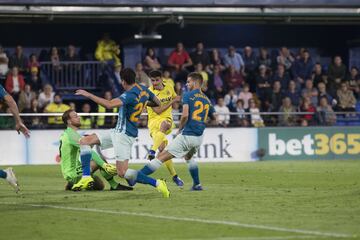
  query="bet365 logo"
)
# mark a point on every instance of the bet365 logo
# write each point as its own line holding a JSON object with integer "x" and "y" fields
{"x": 318, "y": 144}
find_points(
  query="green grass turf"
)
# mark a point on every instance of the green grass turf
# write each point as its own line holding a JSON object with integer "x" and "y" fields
{"x": 322, "y": 196}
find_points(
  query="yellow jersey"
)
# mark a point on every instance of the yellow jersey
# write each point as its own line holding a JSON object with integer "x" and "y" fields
{"x": 166, "y": 95}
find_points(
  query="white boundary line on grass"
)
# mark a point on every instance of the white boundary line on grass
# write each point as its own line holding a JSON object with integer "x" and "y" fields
{"x": 259, "y": 238}
{"x": 186, "y": 219}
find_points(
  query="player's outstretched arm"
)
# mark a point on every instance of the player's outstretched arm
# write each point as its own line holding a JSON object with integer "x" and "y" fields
{"x": 109, "y": 104}
{"x": 153, "y": 102}
{"x": 20, "y": 126}
{"x": 163, "y": 108}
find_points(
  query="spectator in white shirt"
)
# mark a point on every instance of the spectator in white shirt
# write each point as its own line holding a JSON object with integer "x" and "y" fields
{"x": 230, "y": 100}
{"x": 223, "y": 112}
{"x": 246, "y": 95}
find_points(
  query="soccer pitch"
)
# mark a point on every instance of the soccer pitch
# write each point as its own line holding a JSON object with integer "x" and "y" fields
{"x": 243, "y": 201}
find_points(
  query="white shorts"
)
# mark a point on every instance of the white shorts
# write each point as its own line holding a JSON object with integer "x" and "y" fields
{"x": 184, "y": 145}
{"x": 121, "y": 143}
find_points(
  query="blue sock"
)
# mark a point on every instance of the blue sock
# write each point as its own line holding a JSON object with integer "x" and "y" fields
{"x": 3, "y": 174}
{"x": 85, "y": 156}
{"x": 194, "y": 171}
{"x": 151, "y": 167}
{"x": 133, "y": 175}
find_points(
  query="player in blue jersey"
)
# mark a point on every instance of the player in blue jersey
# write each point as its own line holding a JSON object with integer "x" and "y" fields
{"x": 196, "y": 109}
{"x": 8, "y": 174}
{"x": 131, "y": 104}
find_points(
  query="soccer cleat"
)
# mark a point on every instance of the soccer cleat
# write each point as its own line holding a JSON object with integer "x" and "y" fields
{"x": 110, "y": 169}
{"x": 196, "y": 188}
{"x": 162, "y": 188}
{"x": 121, "y": 187}
{"x": 151, "y": 155}
{"x": 85, "y": 183}
{"x": 11, "y": 179}
{"x": 131, "y": 182}
{"x": 178, "y": 181}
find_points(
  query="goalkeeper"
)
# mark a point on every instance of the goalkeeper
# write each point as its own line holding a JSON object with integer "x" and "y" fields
{"x": 78, "y": 174}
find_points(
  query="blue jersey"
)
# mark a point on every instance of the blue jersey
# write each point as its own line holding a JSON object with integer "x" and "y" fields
{"x": 199, "y": 109}
{"x": 134, "y": 101}
{"x": 3, "y": 93}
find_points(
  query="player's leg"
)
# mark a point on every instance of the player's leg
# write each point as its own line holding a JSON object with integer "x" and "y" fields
{"x": 9, "y": 175}
{"x": 193, "y": 170}
{"x": 122, "y": 146}
{"x": 158, "y": 134}
{"x": 170, "y": 166}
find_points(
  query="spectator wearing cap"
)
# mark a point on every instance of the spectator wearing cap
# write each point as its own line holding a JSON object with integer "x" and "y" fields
{"x": 232, "y": 58}
{"x": 302, "y": 68}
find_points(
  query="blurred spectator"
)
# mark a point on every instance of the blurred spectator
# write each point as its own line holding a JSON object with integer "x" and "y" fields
{"x": 151, "y": 62}
{"x": 287, "y": 118}
{"x": 276, "y": 97}
{"x": 318, "y": 75}
{"x": 25, "y": 98}
{"x": 110, "y": 81}
{"x": 14, "y": 83}
{"x": 108, "y": 121}
{"x": 241, "y": 119}
{"x": 33, "y": 122}
{"x": 71, "y": 55}
{"x": 251, "y": 64}
{"x": 325, "y": 114}
{"x": 293, "y": 93}
{"x": 256, "y": 119}
{"x": 200, "y": 55}
{"x": 282, "y": 76}
{"x": 34, "y": 81}
{"x": 232, "y": 58}
{"x": 308, "y": 107}
{"x": 285, "y": 58}
{"x": 234, "y": 80}
{"x": 179, "y": 88}
{"x": 4, "y": 64}
{"x": 223, "y": 112}
{"x": 19, "y": 60}
{"x": 200, "y": 69}
{"x": 47, "y": 96}
{"x": 323, "y": 93}
{"x": 336, "y": 74}
{"x": 167, "y": 78}
{"x": 107, "y": 51}
{"x": 141, "y": 77}
{"x": 230, "y": 100}
{"x": 215, "y": 60}
{"x": 310, "y": 92}
{"x": 176, "y": 112}
{"x": 179, "y": 59}
{"x": 87, "y": 122}
{"x": 353, "y": 78}
{"x": 302, "y": 68}
{"x": 263, "y": 83}
{"x": 218, "y": 82}
{"x": 245, "y": 95}
{"x": 56, "y": 107}
{"x": 55, "y": 58}
{"x": 264, "y": 58}
{"x": 34, "y": 65}
{"x": 346, "y": 99}
{"x": 72, "y": 106}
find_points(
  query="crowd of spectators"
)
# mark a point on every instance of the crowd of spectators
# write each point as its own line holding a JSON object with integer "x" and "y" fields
{"x": 243, "y": 82}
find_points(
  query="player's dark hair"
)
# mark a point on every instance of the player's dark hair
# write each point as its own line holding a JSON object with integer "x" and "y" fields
{"x": 66, "y": 116}
{"x": 196, "y": 77}
{"x": 128, "y": 75}
{"x": 155, "y": 74}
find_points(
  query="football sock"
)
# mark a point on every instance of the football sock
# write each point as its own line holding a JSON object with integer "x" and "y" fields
{"x": 159, "y": 138}
{"x": 170, "y": 166}
{"x": 95, "y": 156}
{"x": 109, "y": 178}
{"x": 139, "y": 177}
{"x": 194, "y": 171}
{"x": 3, "y": 174}
{"x": 85, "y": 156}
{"x": 151, "y": 167}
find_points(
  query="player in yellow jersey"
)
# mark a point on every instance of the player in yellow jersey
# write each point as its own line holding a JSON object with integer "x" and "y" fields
{"x": 160, "y": 121}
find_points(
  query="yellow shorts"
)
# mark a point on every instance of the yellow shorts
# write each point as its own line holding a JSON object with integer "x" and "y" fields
{"x": 154, "y": 125}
